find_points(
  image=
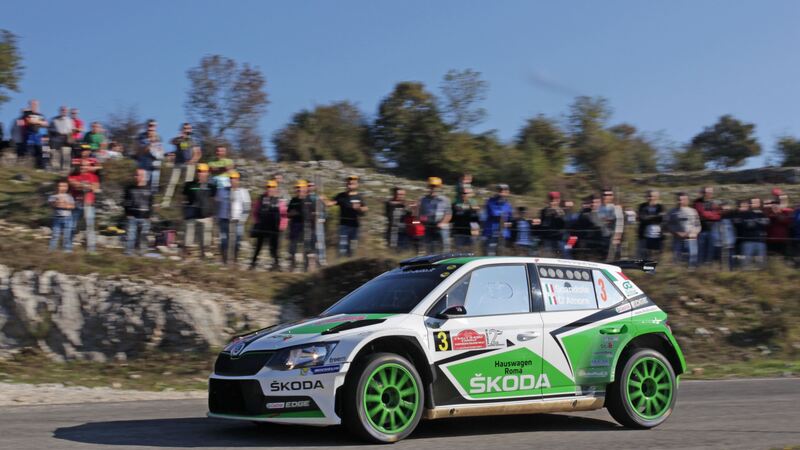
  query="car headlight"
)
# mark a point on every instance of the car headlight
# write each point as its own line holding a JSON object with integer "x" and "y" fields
{"x": 308, "y": 355}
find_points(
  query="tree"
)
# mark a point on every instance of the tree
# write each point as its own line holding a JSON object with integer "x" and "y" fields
{"x": 225, "y": 102}
{"x": 463, "y": 90}
{"x": 728, "y": 142}
{"x": 545, "y": 135}
{"x": 123, "y": 126}
{"x": 789, "y": 147}
{"x": 335, "y": 131}
{"x": 593, "y": 147}
{"x": 688, "y": 159}
{"x": 408, "y": 133}
{"x": 637, "y": 153}
{"x": 10, "y": 65}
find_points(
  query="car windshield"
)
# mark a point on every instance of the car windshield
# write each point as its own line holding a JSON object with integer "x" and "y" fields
{"x": 397, "y": 291}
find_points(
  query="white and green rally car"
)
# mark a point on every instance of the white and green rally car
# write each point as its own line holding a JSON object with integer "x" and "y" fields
{"x": 453, "y": 336}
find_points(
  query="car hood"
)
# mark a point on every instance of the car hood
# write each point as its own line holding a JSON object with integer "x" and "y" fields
{"x": 304, "y": 331}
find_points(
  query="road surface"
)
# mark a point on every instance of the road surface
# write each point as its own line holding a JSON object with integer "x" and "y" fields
{"x": 748, "y": 414}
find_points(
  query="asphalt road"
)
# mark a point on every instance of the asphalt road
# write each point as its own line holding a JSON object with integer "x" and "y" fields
{"x": 749, "y": 414}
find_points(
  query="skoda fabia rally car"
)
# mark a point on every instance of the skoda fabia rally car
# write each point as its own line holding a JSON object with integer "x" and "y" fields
{"x": 452, "y": 336}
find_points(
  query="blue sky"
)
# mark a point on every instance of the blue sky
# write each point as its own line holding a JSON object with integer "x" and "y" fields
{"x": 666, "y": 67}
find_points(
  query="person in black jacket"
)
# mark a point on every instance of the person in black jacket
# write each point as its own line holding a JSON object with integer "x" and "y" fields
{"x": 553, "y": 225}
{"x": 588, "y": 230}
{"x": 269, "y": 215}
{"x": 198, "y": 209}
{"x": 138, "y": 204}
{"x": 751, "y": 230}
{"x": 651, "y": 218}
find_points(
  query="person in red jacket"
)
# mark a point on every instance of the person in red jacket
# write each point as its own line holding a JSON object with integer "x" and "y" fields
{"x": 708, "y": 241}
{"x": 780, "y": 223}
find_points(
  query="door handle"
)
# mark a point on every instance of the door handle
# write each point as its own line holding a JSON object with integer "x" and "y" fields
{"x": 527, "y": 336}
{"x": 614, "y": 330}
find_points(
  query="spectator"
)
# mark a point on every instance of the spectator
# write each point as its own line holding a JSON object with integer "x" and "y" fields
{"x": 588, "y": 230}
{"x": 138, "y": 204}
{"x": 553, "y": 225}
{"x": 85, "y": 157}
{"x": 17, "y": 136}
{"x": 522, "y": 233}
{"x": 77, "y": 126}
{"x": 269, "y": 218}
{"x": 198, "y": 212}
{"x": 684, "y": 224}
{"x": 613, "y": 224}
{"x": 151, "y": 128}
{"x": 301, "y": 226}
{"x": 84, "y": 184}
{"x": 62, "y": 204}
{"x": 708, "y": 241}
{"x": 435, "y": 213}
{"x": 651, "y": 216}
{"x": 727, "y": 235}
{"x": 225, "y": 199}
{"x": 61, "y": 128}
{"x": 351, "y": 208}
{"x": 187, "y": 155}
{"x": 752, "y": 231}
{"x": 113, "y": 151}
{"x": 319, "y": 225}
{"x": 150, "y": 156}
{"x": 498, "y": 217}
{"x": 34, "y": 122}
{"x": 796, "y": 235}
{"x": 95, "y": 137}
{"x": 780, "y": 223}
{"x": 464, "y": 184}
{"x": 220, "y": 166}
{"x": 396, "y": 210}
{"x": 466, "y": 220}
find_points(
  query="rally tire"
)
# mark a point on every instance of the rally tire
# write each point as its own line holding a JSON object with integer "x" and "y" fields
{"x": 644, "y": 392}
{"x": 383, "y": 398}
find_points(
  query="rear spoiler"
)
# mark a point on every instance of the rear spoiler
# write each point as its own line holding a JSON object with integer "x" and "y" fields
{"x": 646, "y": 266}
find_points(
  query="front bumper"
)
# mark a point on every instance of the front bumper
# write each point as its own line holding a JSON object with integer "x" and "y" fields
{"x": 298, "y": 396}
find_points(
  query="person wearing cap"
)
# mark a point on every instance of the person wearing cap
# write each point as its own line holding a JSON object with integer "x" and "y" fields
{"x": 435, "y": 213}
{"x": 301, "y": 225}
{"x": 138, "y": 204}
{"x": 651, "y": 217}
{"x": 613, "y": 219}
{"x": 187, "y": 154}
{"x": 233, "y": 207}
{"x": 351, "y": 208}
{"x": 198, "y": 210}
{"x": 498, "y": 213}
{"x": 269, "y": 214}
{"x": 553, "y": 225}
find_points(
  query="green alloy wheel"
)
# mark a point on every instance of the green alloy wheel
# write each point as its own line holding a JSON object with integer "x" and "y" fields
{"x": 388, "y": 399}
{"x": 644, "y": 392}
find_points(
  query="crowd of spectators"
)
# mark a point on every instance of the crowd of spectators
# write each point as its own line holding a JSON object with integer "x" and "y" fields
{"x": 699, "y": 231}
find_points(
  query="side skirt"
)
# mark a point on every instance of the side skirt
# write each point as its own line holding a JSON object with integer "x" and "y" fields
{"x": 584, "y": 403}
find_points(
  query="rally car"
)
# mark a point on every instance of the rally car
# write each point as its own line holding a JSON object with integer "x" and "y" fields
{"x": 452, "y": 336}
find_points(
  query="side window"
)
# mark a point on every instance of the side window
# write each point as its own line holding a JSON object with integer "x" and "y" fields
{"x": 567, "y": 288}
{"x": 491, "y": 290}
{"x": 607, "y": 294}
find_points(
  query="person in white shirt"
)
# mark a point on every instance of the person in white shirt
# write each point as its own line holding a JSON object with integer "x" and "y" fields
{"x": 238, "y": 209}
{"x": 61, "y": 129}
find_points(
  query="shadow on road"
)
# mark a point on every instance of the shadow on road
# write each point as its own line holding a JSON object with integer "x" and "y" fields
{"x": 202, "y": 432}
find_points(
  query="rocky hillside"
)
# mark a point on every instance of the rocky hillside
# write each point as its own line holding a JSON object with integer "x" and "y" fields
{"x": 87, "y": 317}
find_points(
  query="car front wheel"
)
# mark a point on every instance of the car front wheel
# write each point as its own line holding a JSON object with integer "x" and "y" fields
{"x": 644, "y": 392}
{"x": 384, "y": 398}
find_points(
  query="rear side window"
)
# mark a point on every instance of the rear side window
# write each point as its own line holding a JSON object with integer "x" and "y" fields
{"x": 566, "y": 288}
{"x": 607, "y": 294}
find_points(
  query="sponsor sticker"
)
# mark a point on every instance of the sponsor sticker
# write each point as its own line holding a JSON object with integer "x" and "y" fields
{"x": 493, "y": 336}
{"x": 289, "y": 405}
{"x": 332, "y": 368}
{"x": 339, "y": 319}
{"x": 338, "y": 359}
{"x": 468, "y": 340}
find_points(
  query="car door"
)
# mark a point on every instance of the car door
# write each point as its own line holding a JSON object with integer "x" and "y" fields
{"x": 493, "y": 352}
{"x": 584, "y": 326}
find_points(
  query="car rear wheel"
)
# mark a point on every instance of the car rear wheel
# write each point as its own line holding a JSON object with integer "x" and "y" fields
{"x": 645, "y": 390}
{"x": 384, "y": 398}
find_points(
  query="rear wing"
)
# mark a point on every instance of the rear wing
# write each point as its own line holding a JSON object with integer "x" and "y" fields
{"x": 645, "y": 266}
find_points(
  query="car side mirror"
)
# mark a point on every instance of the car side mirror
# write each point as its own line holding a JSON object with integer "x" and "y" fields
{"x": 452, "y": 312}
